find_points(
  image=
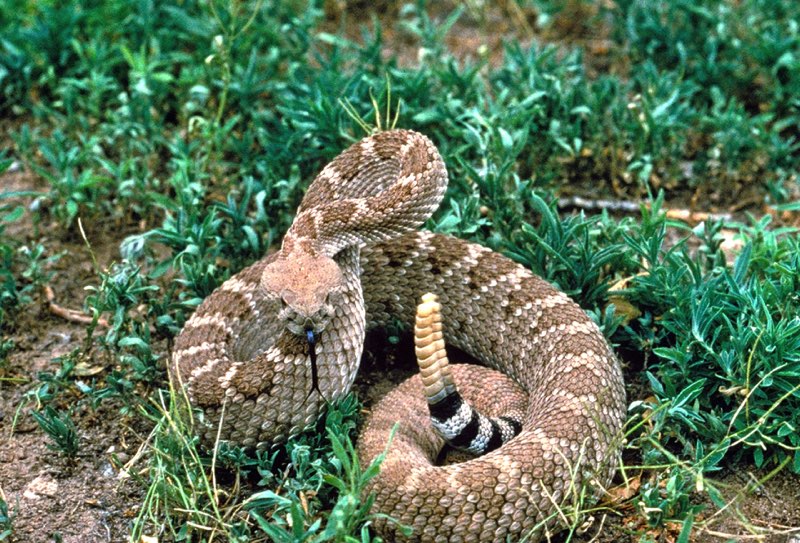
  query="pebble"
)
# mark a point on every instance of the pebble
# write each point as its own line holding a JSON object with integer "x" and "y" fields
{"x": 107, "y": 470}
{"x": 42, "y": 486}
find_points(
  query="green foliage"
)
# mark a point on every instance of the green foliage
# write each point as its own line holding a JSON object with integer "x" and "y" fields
{"x": 182, "y": 493}
{"x": 51, "y": 384}
{"x": 748, "y": 50}
{"x": 196, "y": 126}
{"x": 61, "y": 430}
{"x": 12, "y": 293}
{"x": 667, "y": 498}
{"x": 727, "y": 339}
{"x": 179, "y": 491}
{"x": 6, "y": 520}
{"x": 74, "y": 186}
{"x": 327, "y": 470}
{"x": 6, "y": 346}
{"x": 101, "y": 143}
{"x": 121, "y": 289}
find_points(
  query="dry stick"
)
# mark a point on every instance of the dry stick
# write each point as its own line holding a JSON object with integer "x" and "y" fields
{"x": 759, "y": 537}
{"x": 775, "y": 525}
{"x": 69, "y": 314}
{"x": 624, "y": 206}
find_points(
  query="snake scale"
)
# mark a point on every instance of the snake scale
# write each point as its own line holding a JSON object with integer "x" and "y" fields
{"x": 353, "y": 259}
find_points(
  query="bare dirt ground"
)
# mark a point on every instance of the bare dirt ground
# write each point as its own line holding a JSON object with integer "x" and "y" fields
{"x": 50, "y": 497}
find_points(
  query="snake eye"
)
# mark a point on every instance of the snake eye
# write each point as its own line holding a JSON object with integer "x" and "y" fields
{"x": 334, "y": 298}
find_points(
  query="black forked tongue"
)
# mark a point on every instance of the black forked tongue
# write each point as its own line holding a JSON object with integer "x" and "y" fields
{"x": 311, "y": 336}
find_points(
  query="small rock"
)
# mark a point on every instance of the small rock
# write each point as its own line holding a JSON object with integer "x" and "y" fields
{"x": 107, "y": 470}
{"x": 43, "y": 485}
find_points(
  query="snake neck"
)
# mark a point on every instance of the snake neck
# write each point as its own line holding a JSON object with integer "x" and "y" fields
{"x": 378, "y": 189}
{"x": 364, "y": 196}
{"x": 340, "y": 344}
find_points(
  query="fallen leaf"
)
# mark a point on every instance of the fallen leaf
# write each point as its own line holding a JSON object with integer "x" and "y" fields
{"x": 84, "y": 369}
{"x": 622, "y": 306}
{"x": 623, "y": 493}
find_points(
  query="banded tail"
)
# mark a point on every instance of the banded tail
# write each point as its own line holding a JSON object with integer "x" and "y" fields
{"x": 456, "y": 421}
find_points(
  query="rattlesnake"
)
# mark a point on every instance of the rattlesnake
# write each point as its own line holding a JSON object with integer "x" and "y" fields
{"x": 352, "y": 260}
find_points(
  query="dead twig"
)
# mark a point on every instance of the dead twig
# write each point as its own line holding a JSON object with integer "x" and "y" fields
{"x": 628, "y": 207}
{"x": 743, "y": 537}
{"x": 70, "y": 315}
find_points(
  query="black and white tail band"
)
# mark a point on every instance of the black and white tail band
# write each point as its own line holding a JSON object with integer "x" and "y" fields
{"x": 460, "y": 424}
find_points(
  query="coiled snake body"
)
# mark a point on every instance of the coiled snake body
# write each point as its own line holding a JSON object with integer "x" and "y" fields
{"x": 352, "y": 260}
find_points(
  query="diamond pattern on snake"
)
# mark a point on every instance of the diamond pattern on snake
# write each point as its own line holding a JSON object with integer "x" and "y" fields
{"x": 544, "y": 410}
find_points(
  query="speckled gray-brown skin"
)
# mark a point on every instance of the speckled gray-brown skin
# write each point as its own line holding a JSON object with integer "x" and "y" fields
{"x": 238, "y": 355}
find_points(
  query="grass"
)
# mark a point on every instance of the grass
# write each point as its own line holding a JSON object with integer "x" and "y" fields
{"x": 314, "y": 483}
{"x": 198, "y": 125}
{"x": 60, "y": 429}
{"x": 6, "y": 518}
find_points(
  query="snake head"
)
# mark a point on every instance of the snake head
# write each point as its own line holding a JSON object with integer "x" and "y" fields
{"x": 308, "y": 287}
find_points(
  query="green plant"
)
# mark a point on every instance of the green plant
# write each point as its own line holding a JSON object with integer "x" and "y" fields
{"x": 667, "y": 498}
{"x": 50, "y": 384}
{"x": 6, "y": 346}
{"x": 11, "y": 291}
{"x": 122, "y": 288}
{"x": 6, "y": 519}
{"x": 182, "y": 487}
{"x": 60, "y": 429}
{"x": 331, "y": 473}
{"x": 730, "y": 335}
{"x": 75, "y": 188}
{"x": 179, "y": 492}
{"x": 350, "y": 512}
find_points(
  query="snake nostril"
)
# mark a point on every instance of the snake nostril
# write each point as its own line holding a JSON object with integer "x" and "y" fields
{"x": 288, "y": 298}
{"x": 283, "y": 303}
